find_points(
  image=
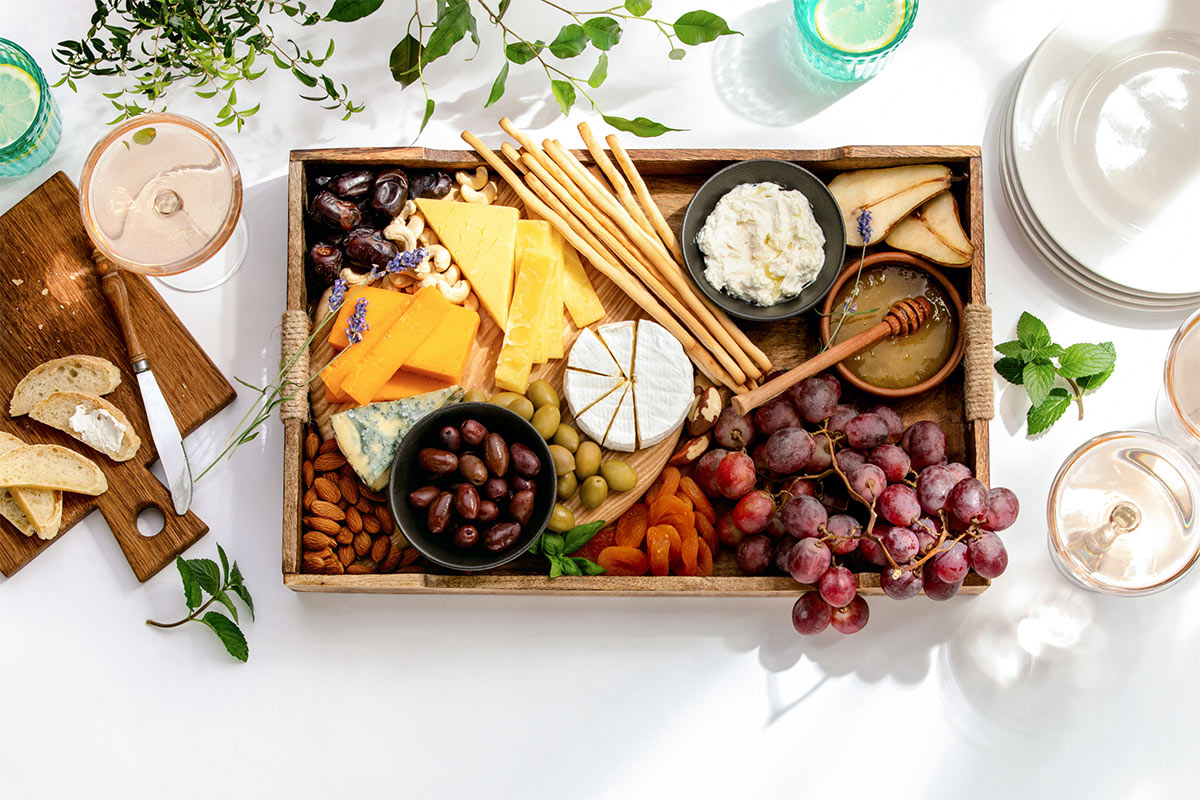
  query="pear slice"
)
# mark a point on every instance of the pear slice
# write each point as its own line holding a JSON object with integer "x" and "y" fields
{"x": 934, "y": 232}
{"x": 889, "y": 195}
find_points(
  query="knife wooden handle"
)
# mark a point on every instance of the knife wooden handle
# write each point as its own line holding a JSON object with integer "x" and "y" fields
{"x": 113, "y": 286}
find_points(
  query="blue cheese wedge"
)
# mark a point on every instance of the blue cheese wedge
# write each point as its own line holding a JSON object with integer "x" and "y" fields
{"x": 369, "y": 436}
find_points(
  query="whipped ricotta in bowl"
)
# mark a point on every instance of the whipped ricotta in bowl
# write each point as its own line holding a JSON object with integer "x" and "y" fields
{"x": 762, "y": 244}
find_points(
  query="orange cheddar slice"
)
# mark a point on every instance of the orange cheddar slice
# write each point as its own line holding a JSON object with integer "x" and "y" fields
{"x": 380, "y": 304}
{"x": 401, "y": 340}
{"x": 348, "y": 360}
{"x": 444, "y": 354}
{"x": 402, "y": 384}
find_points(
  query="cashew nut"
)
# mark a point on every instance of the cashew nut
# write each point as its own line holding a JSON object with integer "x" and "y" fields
{"x": 401, "y": 280}
{"x": 397, "y": 231}
{"x": 428, "y": 238}
{"x": 416, "y": 224}
{"x": 484, "y": 197}
{"x": 354, "y": 279}
{"x": 477, "y": 182}
{"x": 409, "y": 209}
{"x": 453, "y": 195}
{"x": 455, "y": 292}
{"x": 440, "y": 257}
{"x": 451, "y": 275}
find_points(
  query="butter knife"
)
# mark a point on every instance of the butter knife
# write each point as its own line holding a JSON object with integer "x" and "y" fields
{"x": 163, "y": 428}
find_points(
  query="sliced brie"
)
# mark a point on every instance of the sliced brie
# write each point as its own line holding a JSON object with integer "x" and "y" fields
{"x": 596, "y": 420}
{"x": 662, "y": 384}
{"x": 622, "y": 434}
{"x": 585, "y": 389}
{"x": 589, "y": 354}
{"x": 619, "y": 339}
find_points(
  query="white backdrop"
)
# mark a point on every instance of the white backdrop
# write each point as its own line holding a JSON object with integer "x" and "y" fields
{"x": 1033, "y": 685}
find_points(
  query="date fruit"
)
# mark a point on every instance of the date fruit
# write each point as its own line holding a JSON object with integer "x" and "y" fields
{"x": 332, "y": 211}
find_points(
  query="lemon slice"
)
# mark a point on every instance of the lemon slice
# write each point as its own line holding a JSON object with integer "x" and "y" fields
{"x": 859, "y": 26}
{"x": 19, "y": 100}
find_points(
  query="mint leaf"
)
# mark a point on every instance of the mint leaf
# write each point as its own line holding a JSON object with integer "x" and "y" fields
{"x": 523, "y": 52}
{"x": 191, "y": 587}
{"x": 498, "y": 86}
{"x": 1038, "y": 378}
{"x": 1087, "y": 359}
{"x": 1089, "y": 383}
{"x": 580, "y": 535}
{"x": 1011, "y": 349}
{"x": 570, "y": 41}
{"x": 564, "y": 95}
{"x": 638, "y": 8}
{"x": 207, "y": 574}
{"x": 1032, "y": 332}
{"x": 1039, "y": 353}
{"x": 229, "y": 634}
{"x": 638, "y": 126}
{"x": 235, "y": 575}
{"x": 1042, "y": 416}
{"x": 588, "y": 567}
{"x": 1010, "y": 369}
{"x": 599, "y": 73}
{"x": 244, "y": 593}
{"x": 697, "y": 27}
{"x": 603, "y": 32}
{"x": 351, "y": 10}
{"x": 225, "y": 600}
{"x": 224, "y": 564}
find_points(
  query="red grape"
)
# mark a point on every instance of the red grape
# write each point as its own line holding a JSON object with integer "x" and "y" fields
{"x": 775, "y": 528}
{"x": 848, "y": 460}
{"x": 848, "y": 529}
{"x": 832, "y": 382}
{"x": 733, "y": 431}
{"x": 951, "y": 565}
{"x": 774, "y": 415}
{"x": 866, "y": 431}
{"x": 902, "y": 543}
{"x": 837, "y": 586}
{"x": 783, "y": 549}
{"x": 936, "y": 588}
{"x": 898, "y": 504}
{"x": 925, "y": 443}
{"x": 900, "y": 584}
{"x": 894, "y": 462}
{"x": 841, "y": 415}
{"x": 808, "y": 560}
{"x": 822, "y": 458}
{"x": 988, "y": 555}
{"x": 1002, "y": 509}
{"x": 728, "y": 532}
{"x": 933, "y": 485}
{"x": 872, "y": 551}
{"x": 788, "y": 450}
{"x": 803, "y": 516}
{"x": 754, "y": 555}
{"x": 705, "y": 474}
{"x": 811, "y": 614}
{"x": 967, "y": 501}
{"x": 799, "y": 486}
{"x": 852, "y": 617}
{"x": 867, "y": 482}
{"x": 814, "y": 398}
{"x": 736, "y": 475}
{"x": 960, "y": 470}
{"x": 759, "y": 456}
{"x": 753, "y": 512}
{"x": 894, "y": 423}
{"x": 925, "y": 538}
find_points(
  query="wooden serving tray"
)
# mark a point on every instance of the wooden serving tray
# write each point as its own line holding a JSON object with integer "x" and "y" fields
{"x": 672, "y": 176}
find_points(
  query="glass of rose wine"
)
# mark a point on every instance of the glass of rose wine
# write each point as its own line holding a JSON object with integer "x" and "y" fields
{"x": 161, "y": 195}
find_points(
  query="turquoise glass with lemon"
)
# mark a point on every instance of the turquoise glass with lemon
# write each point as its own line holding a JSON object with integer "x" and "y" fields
{"x": 30, "y": 123}
{"x": 851, "y": 40}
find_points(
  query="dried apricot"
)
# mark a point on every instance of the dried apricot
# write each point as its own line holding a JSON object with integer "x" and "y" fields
{"x": 658, "y": 549}
{"x": 603, "y": 539}
{"x": 623, "y": 561}
{"x": 665, "y": 485}
{"x": 664, "y": 506}
{"x": 689, "y": 551}
{"x": 690, "y": 489}
{"x": 631, "y": 527}
{"x": 704, "y": 560}
{"x": 707, "y": 532}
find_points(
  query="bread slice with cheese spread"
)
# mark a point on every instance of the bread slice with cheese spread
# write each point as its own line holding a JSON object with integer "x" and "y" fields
{"x": 90, "y": 374}
{"x": 91, "y": 420}
{"x": 34, "y": 512}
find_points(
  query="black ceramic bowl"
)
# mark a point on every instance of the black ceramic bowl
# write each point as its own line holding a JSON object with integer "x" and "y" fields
{"x": 408, "y": 475}
{"x": 789, "y": 176}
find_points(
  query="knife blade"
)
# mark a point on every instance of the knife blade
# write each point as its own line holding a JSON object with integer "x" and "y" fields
{"x": 163, "y": 428}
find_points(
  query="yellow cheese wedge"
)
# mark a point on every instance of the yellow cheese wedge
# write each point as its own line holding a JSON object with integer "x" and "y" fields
{"x": 482, "y": 239}
{"x": 514, "y": 361}
{"x": 423, "y": 316}
{"x": 534, "y": 235}
{"x": 554, "y": 309}
{"x": 444, "y": 354}
{"x": 578, "y": 293}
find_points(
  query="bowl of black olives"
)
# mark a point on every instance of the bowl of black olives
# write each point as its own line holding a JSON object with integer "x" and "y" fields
{"x": 472, "y": 486}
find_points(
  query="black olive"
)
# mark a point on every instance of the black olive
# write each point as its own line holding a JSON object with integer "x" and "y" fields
{"x": 326, "y": 261}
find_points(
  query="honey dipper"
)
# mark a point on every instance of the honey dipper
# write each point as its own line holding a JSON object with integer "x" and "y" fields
{"x": 903, "y": 318}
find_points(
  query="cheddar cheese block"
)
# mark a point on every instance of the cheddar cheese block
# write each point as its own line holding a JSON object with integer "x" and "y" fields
{"x": 578, "y": 293}
{"x": 514, "y": 362}
{"x": 380, "y": 304}
{"x": 346, "y": 362}
{"x": 444, "y": 354}
{"x": 482, "y": 239}
{"x": 401, "y": 385}
{"x": 402, "y": 338}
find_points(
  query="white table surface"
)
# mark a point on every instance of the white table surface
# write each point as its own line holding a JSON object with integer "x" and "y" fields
{"x": 1034, "y": 685}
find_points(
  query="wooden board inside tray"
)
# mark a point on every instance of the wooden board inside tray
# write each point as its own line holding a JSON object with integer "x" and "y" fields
{"x": 672, "y": 176}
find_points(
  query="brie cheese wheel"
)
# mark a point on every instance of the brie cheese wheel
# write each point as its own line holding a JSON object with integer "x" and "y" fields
{"x": 628, "y": 384}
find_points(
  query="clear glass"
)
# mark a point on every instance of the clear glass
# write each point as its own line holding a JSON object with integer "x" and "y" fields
{"x": 1122, "y": 513}
{"x": 33, "y": 148}
{"x": 1178, "y": 408}
{"x": 161, "y": 195}
{"x": 845, "y": 63}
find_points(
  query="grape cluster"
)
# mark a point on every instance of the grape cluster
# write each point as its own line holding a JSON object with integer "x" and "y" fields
{"x": 822, "y": 491}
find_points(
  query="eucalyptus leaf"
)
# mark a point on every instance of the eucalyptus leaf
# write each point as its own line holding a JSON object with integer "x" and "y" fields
{"x": 429, "y": 106}
{"x": 523, "y": 52}
{"x": 638, "y": 126}
{"x": 600, "y": 73}
{"x": 351, "y": 10}
{"x": 404, "y": 61}
{"x": 451, "y": 25}
{"x": 697, "y": 27}
{"x": 564, "y": 95}
{"x": 570, "y": 42}
{"x": 498, "y": 86}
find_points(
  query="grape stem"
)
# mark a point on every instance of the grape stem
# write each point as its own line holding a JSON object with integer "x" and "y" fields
{"x": 869, "y": 531}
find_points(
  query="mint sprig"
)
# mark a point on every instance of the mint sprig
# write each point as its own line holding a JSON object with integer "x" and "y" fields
{"x": 1034, "y": 361}
{"x": 201, "y": 576}
{"x": 557, "y": 548}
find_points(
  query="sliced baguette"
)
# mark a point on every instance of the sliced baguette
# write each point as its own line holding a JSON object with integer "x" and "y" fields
{"x": 48, "y": 466}
{"x": 56, "y": 409}
{"x": 37, "y": 508}
{"x": 78, "y": 373}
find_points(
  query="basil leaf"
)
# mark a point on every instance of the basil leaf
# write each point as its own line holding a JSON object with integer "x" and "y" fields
{"x": 697, "y": 27}
{"x": 588, "y": 566}
{"x": 599, "y": 73}
{"x": 570, "y": 42}
{"x": 556, "y": 569}
{"x": 569, "y": 567}
{"x": 1010, "y": 369}
{"x": 403, "y": 61}
{"x": 1038, "y": 378}
{"x": 552, "y": 545}
{"x": 1087, "y": 359}
{"x": 191, "y": 587}
{"x": 603, "y": 32}
{"x": 1041, "y": 417}
{"x": 564, "y": 95}
{"x": 351, "y": 10}
{"x": 580, "y": 535}
{"x": 229, "y": 634}
{"x": 207, "y": 574}
{"x": 498, "y": 86}
{"x": 1032, "y": 332}
{"x": 638, "y": 126}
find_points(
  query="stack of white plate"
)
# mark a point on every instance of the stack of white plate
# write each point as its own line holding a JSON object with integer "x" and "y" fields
{"x": 1100, "y": 152}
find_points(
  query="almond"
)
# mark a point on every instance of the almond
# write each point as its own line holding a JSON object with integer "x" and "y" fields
{"x": 410, "y": 555}
{"x": 329, "y": 446}
{"x": 324, "y": 553}
{"x": 360, "y": 569}
{"x": 327, "y": 490}
{"x": 309, "y": 497}
{"x": 314, "y": 564}
{"x": 364, "y": 505}
{"x": 354, "y": 520}
{"x": 362, "y": 543}
{"x": 328, "y": 462}
{"x": 345, "y": 536}
{"x": 324, "y": 508}
{"x": 346, "y": 555}
{"x": 380, "y": 548}
{"x": 691, "y": 450}
{"x": 349, "y": 488}
{"x": 311, "y": 444}
{"x": 370, "y": 524}
{"x": 384, "y": 516}
{"x": 309, "y": 474}
{"x": 313, "y": 540}
{"x": 373, "y": 496}
{"x": 323, "y": 525}
{"x": 391, "y": 560}
{"x": 333, "y": 567}
{"x": 704, "y": 412}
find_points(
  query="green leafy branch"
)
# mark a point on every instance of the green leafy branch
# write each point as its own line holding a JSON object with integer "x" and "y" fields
{"x": 557, "y": 548}
{"x": 1034, "y": 361}
{"x": 201, "y": 576}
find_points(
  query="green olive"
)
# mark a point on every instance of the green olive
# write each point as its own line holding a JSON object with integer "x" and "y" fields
{"x": 567, "y": 436}
{"x": 503, "y": 398}
{"x": 567, "y": 484}
{"x": 561, "y": 519}
{"x": 541, "y": 393}
{"x": 474, "y": 396}
{"x": 593, "y": 491}
{"x": 546, "y": 420}
{"x": 620, "y": 476}
{"x": 522, "y": 407}
{"x": 564, "y": 462}
{"x": 587, "y": 459}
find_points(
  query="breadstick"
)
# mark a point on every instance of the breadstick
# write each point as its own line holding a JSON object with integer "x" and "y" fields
{"x": 643, "y": 193}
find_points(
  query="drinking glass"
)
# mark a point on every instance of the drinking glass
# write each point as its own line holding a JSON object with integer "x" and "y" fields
{"x": 1178, "y": 409}
{"x": 30, "y": 123}
{"x": 161, "y": 195}
{"x": 852, "y": 40}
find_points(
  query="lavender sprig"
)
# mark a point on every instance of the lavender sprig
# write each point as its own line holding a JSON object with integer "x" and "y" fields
{"x": 337, "y": 294}
{"x": 864, "y": 233}
{"x": 402, "y": 262}
{"x": 357, "y": 325}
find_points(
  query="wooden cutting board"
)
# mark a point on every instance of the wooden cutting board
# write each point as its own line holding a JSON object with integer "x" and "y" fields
{"x": 51, "y": 306}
